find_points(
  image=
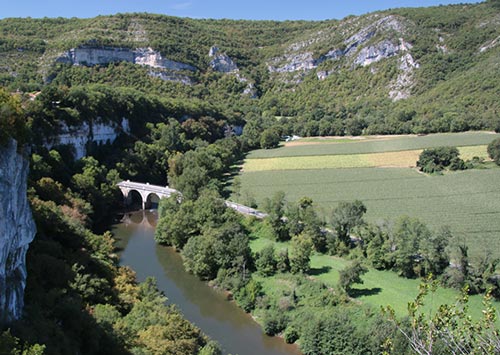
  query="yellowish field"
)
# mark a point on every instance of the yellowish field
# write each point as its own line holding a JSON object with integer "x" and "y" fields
{"x": 402, "y": 159}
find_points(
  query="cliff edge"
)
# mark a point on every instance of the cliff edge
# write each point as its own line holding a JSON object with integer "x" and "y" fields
{"x": 17, "y": 230}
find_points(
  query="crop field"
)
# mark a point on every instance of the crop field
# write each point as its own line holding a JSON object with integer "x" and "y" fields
{"x": 398, "y": 159}
{"x": 467, "y": 201}
{"x": 365, "y": 145}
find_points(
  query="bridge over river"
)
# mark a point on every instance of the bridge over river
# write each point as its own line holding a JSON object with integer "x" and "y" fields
{"x": 151, "y": 194}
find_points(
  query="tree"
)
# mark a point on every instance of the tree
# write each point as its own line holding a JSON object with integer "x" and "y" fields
{"x": 300, "y": 253}
{"x": 270, "y": 138}
{"x": 346, "y": 216}
{"x": 408, "y": 233}
{"x": 266, "y": 261}
{"x": 449, "y": 330}
{"x": 436, "y": 159}
{"x": 494, "y": 150}
{"x": 12, "y": 119}
{"x": 275, "y": 207}
{"x": 351, "y": 274}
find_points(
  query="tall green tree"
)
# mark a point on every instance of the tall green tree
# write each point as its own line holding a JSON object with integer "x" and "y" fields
{"x": 345, "y": 217}
{"x": 300, "y": 253}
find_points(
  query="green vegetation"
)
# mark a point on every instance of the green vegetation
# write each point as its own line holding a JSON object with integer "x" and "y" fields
{"x": 78, "y": 300}
{"x": 455, "y": 87}
{"x": 12, "y": 119}
{"x": 494, "y": 151}
{"x": 436, "y": 159}
{"x": 452, "y": 199}
{"x": 367, "y": 145}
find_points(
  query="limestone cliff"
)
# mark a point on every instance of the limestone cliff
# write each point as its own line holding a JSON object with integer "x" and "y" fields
{"x": 17, "y": 230}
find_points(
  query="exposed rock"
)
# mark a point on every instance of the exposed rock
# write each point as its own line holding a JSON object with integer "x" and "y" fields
{"x": 489, "y": 45}
{"x": 17, "y": 230}
{"x": 381, "y": 50}
{"x": 302, "y": 61}
{"x": 171, "y": 76}
{"x": 149, "y": 57}
{"x": 305, "y": 61}
{"x": 79, "y": 137}
{"x": 401, "y": 88}
{"x": 88, "y": 55}
{"x": 323, "y": 74}
{"x": 386, "y": 23}
{"x": 221, "y": 62}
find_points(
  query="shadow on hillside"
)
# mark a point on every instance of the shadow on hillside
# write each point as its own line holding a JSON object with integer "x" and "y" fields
{"x": 319, "y": 271}
{"x": 356, "y": 292}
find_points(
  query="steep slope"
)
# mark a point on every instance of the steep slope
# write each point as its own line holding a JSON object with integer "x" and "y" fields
{"x": 378, "y": 73}
{"x": 17, "y": 230}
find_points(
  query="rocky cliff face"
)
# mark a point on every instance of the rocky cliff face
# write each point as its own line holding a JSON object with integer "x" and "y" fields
{"x": 221, "y": 62}
{"x": 17, "y": 230}
{"x": 79, "y": 137}
{"x": 165, "y": 68}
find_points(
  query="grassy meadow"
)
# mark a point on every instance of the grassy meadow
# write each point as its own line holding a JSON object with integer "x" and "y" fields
{"x": 379, "y": 288}
{"x": 468, "y": 201}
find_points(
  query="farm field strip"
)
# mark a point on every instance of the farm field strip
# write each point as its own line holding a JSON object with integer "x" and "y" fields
{"x": 400, "y": 159}
{"x": 467, "y": 201}
{"x": 389, "y": 144}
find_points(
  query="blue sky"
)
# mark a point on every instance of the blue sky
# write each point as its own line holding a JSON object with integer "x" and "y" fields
{"x": 233, "y": 9}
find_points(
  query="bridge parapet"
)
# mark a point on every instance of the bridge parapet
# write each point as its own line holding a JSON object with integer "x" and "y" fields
{"x": 146, "y": 189}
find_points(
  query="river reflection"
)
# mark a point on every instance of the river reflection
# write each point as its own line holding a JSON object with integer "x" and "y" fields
{"x": 220, "y": 319}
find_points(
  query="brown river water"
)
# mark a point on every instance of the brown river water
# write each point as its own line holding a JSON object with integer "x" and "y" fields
{"x": 209, "y": 309}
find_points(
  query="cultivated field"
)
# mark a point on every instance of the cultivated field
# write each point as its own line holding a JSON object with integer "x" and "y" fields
{"x": 378, "y": 144}
{"x": 467, "y": 201}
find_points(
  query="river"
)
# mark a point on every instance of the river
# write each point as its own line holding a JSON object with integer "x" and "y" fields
{"x": 209, "y": 309}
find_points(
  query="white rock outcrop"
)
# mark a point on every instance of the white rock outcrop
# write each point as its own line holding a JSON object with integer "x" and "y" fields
{"x": 356, "y": 47}
{"x": 165, "y": 68}
{"x": 221, "y": 62}
{"x": 17, "y": 230}
{"x": 401, "y": 88}
{"x": 79, "y": 137}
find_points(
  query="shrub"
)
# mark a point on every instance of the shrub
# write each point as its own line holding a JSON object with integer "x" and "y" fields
{"x": 494, "y": 151}
{"x": 433, "y": 160}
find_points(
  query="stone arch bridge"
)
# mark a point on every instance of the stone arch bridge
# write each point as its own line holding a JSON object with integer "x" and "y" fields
{"x": 150, "y": 192}
{"x": 147, "y": 192}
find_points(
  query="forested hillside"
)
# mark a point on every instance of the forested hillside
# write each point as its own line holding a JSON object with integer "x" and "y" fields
{"x": 414, "y": 70}
{"x": 177, "y": 92}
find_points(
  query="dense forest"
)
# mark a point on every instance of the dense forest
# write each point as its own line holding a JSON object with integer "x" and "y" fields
{"x": 417, "y": 70}
{"x": 307, "y": 78}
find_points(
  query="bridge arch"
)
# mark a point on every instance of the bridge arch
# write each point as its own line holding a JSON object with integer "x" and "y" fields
{"x": 152, "y": 201}
{"x": 133, "y": 198}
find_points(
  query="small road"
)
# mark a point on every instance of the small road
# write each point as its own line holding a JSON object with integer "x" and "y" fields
{"x": 145, "y": 189}
{"x": 246, "y": 210}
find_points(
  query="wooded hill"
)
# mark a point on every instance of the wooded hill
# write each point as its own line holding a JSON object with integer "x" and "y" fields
{"x": 397, "y": 71}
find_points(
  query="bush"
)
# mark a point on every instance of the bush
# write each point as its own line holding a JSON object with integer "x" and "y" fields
{"x": 433, "y": 160}
{"x": 494, "y": 150}
{"x": 12, "y": 119}
{"x": 270, "y": 138}
{"x": 291, "y": 335}
{"x": 275, "y": 321}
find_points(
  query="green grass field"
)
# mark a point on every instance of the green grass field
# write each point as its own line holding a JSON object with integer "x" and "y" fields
{"x": 380, "y": 288}
{"x": 374, "y": 145}
{"x": 467, "y": 201}
{"x": 399, "y": 159}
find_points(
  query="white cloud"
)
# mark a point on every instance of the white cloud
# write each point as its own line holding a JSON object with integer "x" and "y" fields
{"x": 182, "y": 5}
